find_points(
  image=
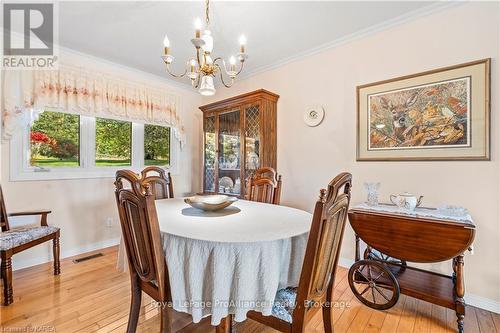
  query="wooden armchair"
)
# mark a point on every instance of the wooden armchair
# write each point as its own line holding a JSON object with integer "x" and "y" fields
{"x": 15, "y": 240}
{"x": 145, "y": 256}
{"x": 265, "y": 186}
{"x": 294, "y": 307}
{"x": 161, "y": 182}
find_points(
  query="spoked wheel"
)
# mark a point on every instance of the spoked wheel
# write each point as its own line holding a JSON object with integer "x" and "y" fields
{"x": 396, "y": 266}
{"x": 374, "y": 284}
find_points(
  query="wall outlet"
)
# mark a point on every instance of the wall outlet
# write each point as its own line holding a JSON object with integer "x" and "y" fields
{"x": 109, "y": 222}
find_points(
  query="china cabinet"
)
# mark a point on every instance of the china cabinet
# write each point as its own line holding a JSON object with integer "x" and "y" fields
{"x": 239, "y": 137}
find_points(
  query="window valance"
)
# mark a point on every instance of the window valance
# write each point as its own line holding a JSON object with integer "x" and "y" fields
{"x": 76, "y": 90}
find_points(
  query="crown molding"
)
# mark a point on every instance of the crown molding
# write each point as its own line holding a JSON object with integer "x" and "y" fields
{"x": 372, "y": 30}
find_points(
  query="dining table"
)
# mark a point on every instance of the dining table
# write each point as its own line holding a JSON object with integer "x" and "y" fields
{"x": 231, "y": 261}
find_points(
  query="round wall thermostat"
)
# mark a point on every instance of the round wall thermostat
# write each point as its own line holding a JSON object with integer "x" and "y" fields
{"x": 314, "y": 115}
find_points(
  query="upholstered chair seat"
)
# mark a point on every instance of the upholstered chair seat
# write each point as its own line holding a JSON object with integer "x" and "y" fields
{"x": 23, "y": 235}
{"x": 284, "y": 303}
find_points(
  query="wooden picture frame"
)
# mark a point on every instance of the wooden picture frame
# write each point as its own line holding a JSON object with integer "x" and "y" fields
{"x": 438, "y": 115}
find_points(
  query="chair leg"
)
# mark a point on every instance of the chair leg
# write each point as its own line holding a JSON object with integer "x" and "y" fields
{"x": 6, "y": 268}
{"x": 166, "y": 319}
{"x": 327, "y": 319}
{"x": 135, "y": 305}
{"x": 56, "y": 252}
{"x": 224, "y": 326}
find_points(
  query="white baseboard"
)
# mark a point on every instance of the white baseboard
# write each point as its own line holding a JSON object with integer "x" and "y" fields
{"x": 470, "y": 299}
{"x": 24, "y": 263}
{"x": 483, "y": 303}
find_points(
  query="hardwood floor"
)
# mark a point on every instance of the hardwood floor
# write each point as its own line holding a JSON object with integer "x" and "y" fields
{"x": 93, "y": 296}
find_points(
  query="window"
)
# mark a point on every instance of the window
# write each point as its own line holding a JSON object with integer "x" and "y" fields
{"x": 113, "y": 142}
{"x": 156, "y": 145}
{"x": 63, "y": 146}
{"x": 55, "y": 140}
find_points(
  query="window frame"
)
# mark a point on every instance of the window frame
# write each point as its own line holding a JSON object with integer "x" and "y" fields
{"x": 21, "y": 170}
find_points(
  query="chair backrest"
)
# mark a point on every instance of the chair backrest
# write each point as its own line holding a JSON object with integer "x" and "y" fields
{"x": 323, "y": 246}
{"x": 140, "y": 228}
{"x": 4, "y": 220}
{"x": 265, "y": 186}
{"x": 160, "y": 180}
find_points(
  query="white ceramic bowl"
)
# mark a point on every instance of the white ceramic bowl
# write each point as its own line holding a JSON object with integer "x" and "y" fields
{"x": 210, "y": 202}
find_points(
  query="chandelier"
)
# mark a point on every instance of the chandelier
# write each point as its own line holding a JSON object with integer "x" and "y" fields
{"x": 202, "y": 69}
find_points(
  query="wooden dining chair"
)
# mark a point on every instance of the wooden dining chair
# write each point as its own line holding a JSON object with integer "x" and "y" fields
{"x": 294, "y": 307}
{"x": 141, "y": 234}
{"x": 18, "y": 239}
{"x": 161, "y": 181}
{"x": 265, "y": 186}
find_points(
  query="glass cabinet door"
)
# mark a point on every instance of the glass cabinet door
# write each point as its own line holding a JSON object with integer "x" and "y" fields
{"x": 229, "y": 153}
{"x": 210, "y": 154}
{"x": 252, "y": 140}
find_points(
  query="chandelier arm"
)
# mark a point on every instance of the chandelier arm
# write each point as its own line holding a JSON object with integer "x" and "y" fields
{"x": 176, "y": 75}
{"x": 198, "y": 56}
{"x": 225, "y": 69}
{"x": 222, "y": 78}
{"x": 241, "y": 68}
{"x": 223, "y": 63}
{"x": 197, "y": 81}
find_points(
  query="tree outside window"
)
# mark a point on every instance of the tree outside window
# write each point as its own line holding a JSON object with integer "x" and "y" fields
{"x": 156, "y": 145}
{"x": 113, "y": 142}
{"x": 55, "y": 140}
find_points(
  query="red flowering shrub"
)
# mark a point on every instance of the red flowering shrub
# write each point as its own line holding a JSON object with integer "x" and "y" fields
{"x": 39, "y": 137}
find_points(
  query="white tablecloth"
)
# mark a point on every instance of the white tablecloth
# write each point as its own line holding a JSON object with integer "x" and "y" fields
{"x": 231, "y": 261}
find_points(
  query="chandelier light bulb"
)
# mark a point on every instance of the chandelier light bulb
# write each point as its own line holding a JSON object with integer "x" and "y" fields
{"x": 197, "y": 27}
{"x": 232, "y": 67}
{"x": 243, "y": 42}
{"x": 192, "y": 69}
{"x": 192, "y": 66}
{"x": 166, "y": 50}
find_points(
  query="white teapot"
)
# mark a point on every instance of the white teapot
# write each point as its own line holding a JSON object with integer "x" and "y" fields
{"x": 406, "y": 200}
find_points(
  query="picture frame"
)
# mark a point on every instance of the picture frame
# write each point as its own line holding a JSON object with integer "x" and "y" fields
{"x": 437, "y": 115}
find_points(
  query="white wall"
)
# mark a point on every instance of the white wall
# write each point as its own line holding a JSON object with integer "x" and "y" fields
{"x": 80, "y": 207}
{"x": 309, "y": 158}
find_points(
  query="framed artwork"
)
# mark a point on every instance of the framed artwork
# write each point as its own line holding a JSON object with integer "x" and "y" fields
{"x": 442, "y": 114}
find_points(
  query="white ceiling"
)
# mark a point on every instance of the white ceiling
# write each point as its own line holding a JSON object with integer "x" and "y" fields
{"x": 131, "y": 33}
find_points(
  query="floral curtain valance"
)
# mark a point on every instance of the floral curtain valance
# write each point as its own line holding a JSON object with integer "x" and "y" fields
{"x": 73, "y": 90}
